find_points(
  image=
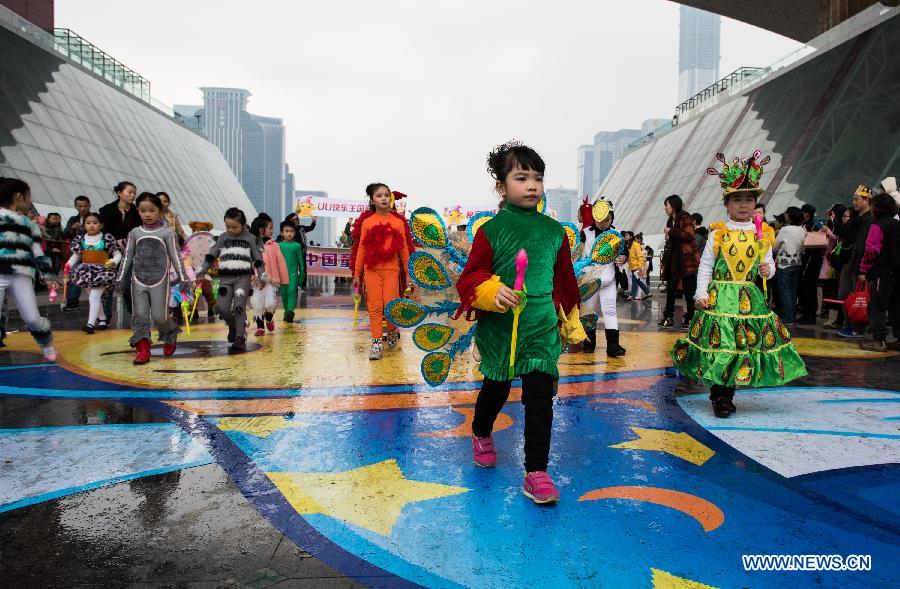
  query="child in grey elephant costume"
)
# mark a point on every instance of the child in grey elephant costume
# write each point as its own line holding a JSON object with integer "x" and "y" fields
{"x": 151, "y": 252}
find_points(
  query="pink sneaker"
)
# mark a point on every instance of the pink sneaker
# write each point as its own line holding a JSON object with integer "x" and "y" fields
{"x": 483, "y": 451}
{"x": 270, "y": 325}
{"x": 539, "y": 488}
{"x": 259, "y": 332}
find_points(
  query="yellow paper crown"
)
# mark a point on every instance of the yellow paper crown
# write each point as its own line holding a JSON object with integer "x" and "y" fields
{"x": 863, "y": 191}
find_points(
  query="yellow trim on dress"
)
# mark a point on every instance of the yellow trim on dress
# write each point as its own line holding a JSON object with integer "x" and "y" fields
{"x": 735, "y": 352}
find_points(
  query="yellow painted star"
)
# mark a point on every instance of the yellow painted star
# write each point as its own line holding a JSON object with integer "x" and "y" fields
{"x": 261, "y": 427}
{"x": 677, "y": 444}
{"x": 370, "y": 497}
{"x": 664, "y": 580}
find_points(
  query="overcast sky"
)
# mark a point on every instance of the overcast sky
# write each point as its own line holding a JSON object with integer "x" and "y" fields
{"x": 416, "y": 93}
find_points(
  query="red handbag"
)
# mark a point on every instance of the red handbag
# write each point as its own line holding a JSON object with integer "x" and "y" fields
{"x": 856, "y": 305}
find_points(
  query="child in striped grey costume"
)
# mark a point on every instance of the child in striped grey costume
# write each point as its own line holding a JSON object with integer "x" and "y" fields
{"x": 239, "y": 257}
{"x": 20, "y": 257}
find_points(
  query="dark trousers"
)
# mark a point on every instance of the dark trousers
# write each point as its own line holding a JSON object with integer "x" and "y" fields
{"x": 787, "y": 293}
{"x": 621, "y": 279}
{"x": 808, "y": 285}
{"x": 537, "y": 396}
{"x": 689, "y": 289}
{"x": 73, "y": 293}
{"x": 883, "y": 300}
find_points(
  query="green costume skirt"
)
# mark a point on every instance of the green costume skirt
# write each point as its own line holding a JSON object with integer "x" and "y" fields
{"x": 738, "y": 341}
{"x": 538, "y": 345}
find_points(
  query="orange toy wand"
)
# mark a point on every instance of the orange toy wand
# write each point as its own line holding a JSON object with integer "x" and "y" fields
{"x": 519, "y": 287}
{"x": 757, "y": 220}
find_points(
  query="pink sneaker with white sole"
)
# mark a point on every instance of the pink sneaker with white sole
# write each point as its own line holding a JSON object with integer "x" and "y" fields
{"x": 483, "y": 451}
{"x": 539, "y": 488}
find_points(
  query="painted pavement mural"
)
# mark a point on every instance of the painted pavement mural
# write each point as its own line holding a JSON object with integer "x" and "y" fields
{"x": 374, "y": 477}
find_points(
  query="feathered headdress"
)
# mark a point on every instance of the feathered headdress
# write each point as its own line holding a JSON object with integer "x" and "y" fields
{"x": 741, "y": 175}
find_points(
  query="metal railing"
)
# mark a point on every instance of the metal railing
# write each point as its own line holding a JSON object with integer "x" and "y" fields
{"x": 736, "y": 78}
{"x": 101, "y": 63}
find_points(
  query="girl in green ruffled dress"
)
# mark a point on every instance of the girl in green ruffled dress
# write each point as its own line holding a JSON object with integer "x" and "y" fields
{"x": 735, "y": 339}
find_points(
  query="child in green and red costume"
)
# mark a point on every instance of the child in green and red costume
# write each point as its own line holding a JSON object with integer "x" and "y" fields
{"x": 735, "y": 339}
{"x": 549, "y": 319}
{"x": 292, "y": 252}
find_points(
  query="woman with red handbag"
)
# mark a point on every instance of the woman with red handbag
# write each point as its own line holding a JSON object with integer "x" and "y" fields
{"x": 854, "y": 244}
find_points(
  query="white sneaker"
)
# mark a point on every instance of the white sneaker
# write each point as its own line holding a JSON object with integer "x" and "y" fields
{"x": 50, "y": 354}
{"x": 377, "y": 350}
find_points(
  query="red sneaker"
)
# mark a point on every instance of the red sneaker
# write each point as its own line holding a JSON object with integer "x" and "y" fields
{"x": 259, "y": 332}
{"x": 539, "y": 488}
{"x": 483, "y": 452}
{"x": 143, "y": 351}
{"x": 169, "y": 349}
{"x": 270, "y": 325}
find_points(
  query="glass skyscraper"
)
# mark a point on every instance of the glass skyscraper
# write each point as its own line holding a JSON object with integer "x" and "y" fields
{"x": 252, "y": 145}
{"x": 698, "y": 51}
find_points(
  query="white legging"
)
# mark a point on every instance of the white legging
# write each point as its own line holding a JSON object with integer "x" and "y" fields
{"x": 263, "y": 300}
{"x": 604, "y": 300}
{"x": 95, "y": 305}
{"x": 21, "y": 288}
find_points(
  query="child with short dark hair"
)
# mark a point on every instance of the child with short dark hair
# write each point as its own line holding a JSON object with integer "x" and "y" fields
{"x": 150, "y": 254}
{"x": 264, "y": 298}
{"x": 789, "y": 262}
{"x": 486, "y": 288}
{"x": 92, "y": 264}
{"x": 735, "y": 340}
{"x": 292, "y": 252}
{"x": 238, "y": 259}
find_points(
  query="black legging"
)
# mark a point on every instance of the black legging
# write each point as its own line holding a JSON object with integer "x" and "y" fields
{"x": 537, "y": 396}
{"x": 689, "y": 289}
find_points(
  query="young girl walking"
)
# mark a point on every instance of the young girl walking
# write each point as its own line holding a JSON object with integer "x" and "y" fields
{"x": 382, "y": 243}
{"x": 264, "y": 300}
{"x": 92, "y": 266}
{"x": 486, "y": 286}
{"x": 735, "y": 340}
{"x": 20, "y": 257}
{"x": 238, "y": 259}
{"x": 150, "y": 253}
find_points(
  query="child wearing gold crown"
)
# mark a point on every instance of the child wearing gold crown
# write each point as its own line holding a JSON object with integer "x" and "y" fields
{"x": 734, "y": 339}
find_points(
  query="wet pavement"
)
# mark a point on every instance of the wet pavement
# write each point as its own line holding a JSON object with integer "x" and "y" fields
{"x": 302, "y": 464}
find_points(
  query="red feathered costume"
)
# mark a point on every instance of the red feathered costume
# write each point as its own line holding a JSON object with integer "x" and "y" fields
{"x": 381, "y": 247}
